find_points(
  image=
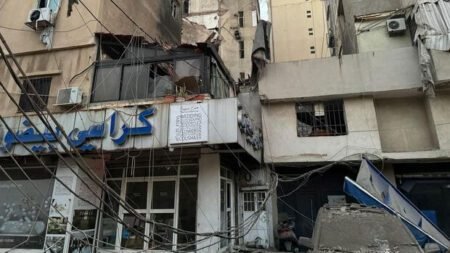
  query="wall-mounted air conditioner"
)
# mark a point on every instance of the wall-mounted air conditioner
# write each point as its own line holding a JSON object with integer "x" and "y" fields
{"x": 40, "y": 18}
{"x": 69, "y": 96}
{"x": 396, "y": 26}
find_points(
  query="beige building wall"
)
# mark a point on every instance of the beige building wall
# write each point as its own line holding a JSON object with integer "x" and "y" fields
{"x": 299, "y": 30}
{"x": 69, "y": 61}
{"x": 154, "y": 17}
{"x": 223, "y": 16}
{"x": 404, "y": 125}
{"x": 395, "y": 128}
{"x": 230, "y": 48}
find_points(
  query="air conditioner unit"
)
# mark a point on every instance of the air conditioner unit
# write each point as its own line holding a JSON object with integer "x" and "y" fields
{"x": 69, "y": 96}
{"x": 396, "y": 26}
{"x": 40, "y": 18}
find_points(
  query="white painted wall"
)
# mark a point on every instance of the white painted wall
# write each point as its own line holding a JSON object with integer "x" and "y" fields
{"x": 282, "y": 144}
{"x": 377, "y": 38}
{"x": 208, "y": 199}
{"x": 398, "y": 128}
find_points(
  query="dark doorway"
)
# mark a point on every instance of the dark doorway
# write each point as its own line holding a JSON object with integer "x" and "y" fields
{"x": 303, "y": 203}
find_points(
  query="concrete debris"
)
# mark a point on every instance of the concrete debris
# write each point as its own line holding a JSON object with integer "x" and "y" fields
{"x": 193, "y": 33}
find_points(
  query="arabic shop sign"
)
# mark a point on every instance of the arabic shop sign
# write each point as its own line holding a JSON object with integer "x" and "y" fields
{"x": 87, "y": 131}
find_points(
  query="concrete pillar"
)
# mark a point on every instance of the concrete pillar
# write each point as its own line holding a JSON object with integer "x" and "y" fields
{"x": 208, "y": 200}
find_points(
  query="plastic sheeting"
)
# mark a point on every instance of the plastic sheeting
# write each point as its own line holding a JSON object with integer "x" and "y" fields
{"x": 372, "y": 188}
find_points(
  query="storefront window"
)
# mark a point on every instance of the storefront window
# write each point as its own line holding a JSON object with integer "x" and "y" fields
{"x": 109, "y": 226}
{"x": 226, "y": 207}
{"x": 187, "y": 213}
{"x": 167, "y": 197}
{"x": 162, "y": 237}
{"x": 132, "y": 238}
{"x": 24, "y": 208}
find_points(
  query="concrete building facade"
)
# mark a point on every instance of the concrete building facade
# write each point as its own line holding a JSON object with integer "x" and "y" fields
{"x": 235, "y": 22}
{"x": 300, "y": 30}
{"x": 132, "y": 141}
{"x": 369, "y": 99}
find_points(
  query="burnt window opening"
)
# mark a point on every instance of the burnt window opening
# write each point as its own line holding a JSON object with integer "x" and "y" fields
{"x": 147, "y": 81}
{"x": 42, "y": 86}
{"x": 321, "y": 119}
{"x": 186, "y": 5}
{"x": 143, "y": 71}
{"x": 42, "y": 3}
{"x": 174, "y": 6}
{"x": 241, "y": 49}
{"x": 241, "y": 18}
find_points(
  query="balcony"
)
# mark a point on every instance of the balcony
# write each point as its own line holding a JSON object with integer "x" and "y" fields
{"x": 149, "y": 73}
{"x": 368, "y": 73}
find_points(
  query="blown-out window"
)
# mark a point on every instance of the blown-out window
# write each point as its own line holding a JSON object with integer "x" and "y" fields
{"x": 321, "y": 119}
{"x": 151, "y": 80}
{"x": 25, "y": 207}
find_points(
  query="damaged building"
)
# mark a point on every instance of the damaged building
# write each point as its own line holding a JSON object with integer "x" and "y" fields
{"x": 117, "y": 137}
{"x": 383, "y": 94}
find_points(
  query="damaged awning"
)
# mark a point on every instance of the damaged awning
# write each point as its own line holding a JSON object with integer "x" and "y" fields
{"x": 373, "y": 189}
{"x": 432, "y": 18}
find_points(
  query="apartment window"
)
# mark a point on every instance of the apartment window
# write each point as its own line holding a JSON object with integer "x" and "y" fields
{"x": 321, "y": 119}
{"x": 242, "y": 75}
{"x": 310, "y": 30}
{"x": 241, "y": 18}
{"x": 308, "y": 14}
{"x": 253, "y": 201}
{"x": 313, "y": 49}
{"x": 42, "y": 86}
{"x": 241, "y": 49}
{"x": 186, "y": 6}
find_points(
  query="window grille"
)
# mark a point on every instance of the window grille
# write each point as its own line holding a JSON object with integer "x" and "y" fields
{"x": 42, "y": 86}
{"x": 321, "y": 119}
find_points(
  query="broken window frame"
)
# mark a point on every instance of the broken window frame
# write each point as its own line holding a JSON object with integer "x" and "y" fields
{"x": 319, "y": 118}
{"x": 37, "y": 206}
{"x": 154, "y": 65}
{"x": 112, "y": 54}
